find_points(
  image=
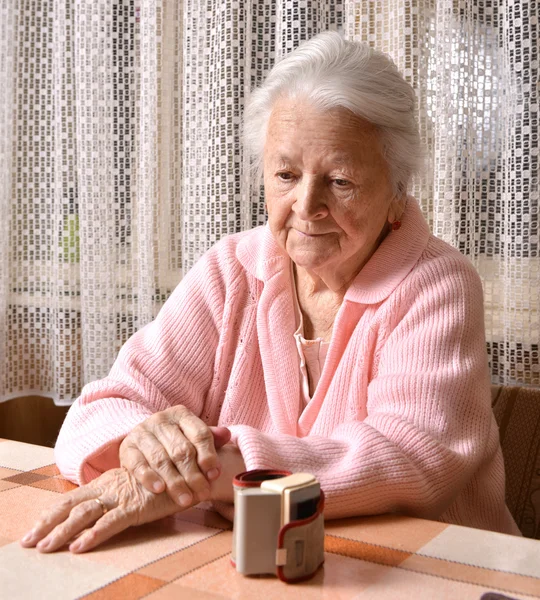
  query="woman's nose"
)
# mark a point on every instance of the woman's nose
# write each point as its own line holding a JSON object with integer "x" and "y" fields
{"x": 310, "y": 204}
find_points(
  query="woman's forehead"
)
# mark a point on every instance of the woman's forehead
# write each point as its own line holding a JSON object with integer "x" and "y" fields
{"x": 287, "y": 111}
{"x": 295, "y": 124}
{"x": 335, "y": 157}
{"x": 288, "y": 144}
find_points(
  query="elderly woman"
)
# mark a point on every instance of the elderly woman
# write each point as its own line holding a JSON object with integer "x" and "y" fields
{"x": 341, "y": 339}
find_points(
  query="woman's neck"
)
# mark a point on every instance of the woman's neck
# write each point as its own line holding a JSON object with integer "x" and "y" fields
{"x": 318, "y": 302}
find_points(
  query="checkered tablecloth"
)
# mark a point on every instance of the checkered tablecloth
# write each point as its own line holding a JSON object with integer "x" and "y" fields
{"x": 188, "y": 555}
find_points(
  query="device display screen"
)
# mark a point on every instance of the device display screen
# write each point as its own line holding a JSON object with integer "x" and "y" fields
{"x": 304, "y": 509}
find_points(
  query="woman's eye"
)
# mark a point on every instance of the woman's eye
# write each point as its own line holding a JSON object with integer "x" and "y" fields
{"x": 341, "y": 182}
{"x": 285, "y": 176}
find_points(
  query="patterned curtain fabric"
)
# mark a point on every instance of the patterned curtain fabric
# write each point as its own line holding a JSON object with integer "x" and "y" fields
{"x": 121, "y": 159}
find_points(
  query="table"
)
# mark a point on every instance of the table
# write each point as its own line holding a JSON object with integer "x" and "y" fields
{"x": 188, "y": 555}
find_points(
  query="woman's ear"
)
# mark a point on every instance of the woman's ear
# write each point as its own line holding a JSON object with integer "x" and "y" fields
{"x": 397, "y": 207}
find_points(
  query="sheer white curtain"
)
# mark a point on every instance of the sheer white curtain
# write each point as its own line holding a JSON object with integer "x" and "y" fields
{"x": 121, "y": 160}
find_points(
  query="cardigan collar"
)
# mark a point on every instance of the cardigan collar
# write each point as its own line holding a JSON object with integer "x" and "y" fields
{"x": 401, "y": 249}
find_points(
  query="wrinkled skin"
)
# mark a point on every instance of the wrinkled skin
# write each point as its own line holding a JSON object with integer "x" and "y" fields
{"x": 127, "y": 501}
{"x": 328, "y": 190}
{"x": 174, "y": 450}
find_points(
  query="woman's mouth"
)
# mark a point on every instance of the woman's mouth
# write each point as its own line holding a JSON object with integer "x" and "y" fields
{"x": 309, "y": 235}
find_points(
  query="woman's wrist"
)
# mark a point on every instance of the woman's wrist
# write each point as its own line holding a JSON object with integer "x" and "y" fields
{"x": 232, "y": 463}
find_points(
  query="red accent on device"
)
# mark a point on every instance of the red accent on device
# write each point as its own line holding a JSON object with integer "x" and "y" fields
{"x": 290, "y": 525}
{"x": 257, "y": 476}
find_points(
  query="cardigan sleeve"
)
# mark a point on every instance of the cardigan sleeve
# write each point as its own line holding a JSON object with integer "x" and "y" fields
{"x": 170, "y": 361}
{"x": 429, "y": 425}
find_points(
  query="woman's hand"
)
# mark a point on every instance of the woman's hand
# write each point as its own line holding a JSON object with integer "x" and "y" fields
{"x": 126, "y": 502}
{"x": 174, "y": 450}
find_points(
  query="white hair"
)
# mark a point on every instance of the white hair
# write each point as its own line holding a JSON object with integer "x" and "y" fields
{"x": 331, "y": 72}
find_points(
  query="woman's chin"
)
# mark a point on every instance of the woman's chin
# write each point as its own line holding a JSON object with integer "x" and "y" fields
{"x": 311, "y": 257}
{"x": 311, "y": 263}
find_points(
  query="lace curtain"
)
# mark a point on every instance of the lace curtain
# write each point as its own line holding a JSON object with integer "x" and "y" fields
{"x": 121, "y": 161}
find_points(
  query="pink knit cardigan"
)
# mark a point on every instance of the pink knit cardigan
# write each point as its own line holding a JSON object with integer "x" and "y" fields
{"x": 401, "y": 419}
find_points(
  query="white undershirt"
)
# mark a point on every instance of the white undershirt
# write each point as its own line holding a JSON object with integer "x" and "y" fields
{"x": 312, "y": 355}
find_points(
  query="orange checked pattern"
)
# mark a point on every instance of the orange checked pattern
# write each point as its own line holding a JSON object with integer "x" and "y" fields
{"x": 188, "y": 555}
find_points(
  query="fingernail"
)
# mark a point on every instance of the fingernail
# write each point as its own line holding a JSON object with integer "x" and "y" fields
{"x": 43, "y": 545}
{"x": 28, "y": 536}
{"x": 157, "y": 487}
{"x": 213, "y": 473}
{"x": 75, "y": 546}
{"x": 185, "y": 499}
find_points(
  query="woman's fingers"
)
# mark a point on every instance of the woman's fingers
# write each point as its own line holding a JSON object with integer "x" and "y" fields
{"x": 184, "y": 457}
{"x": 109, "y": 525}
{"x": 53, "y": 517}
{"x": 82, "y": 512}
{"x": 222, "y": 436}
{"x": 153, "y": 461}
{"x": 81, "y": 517}
{"x": 200, "y": 436}
{"x": 175, "y": 451}
{"x": 174, "y": 458}
{"x": 134, "y": 460}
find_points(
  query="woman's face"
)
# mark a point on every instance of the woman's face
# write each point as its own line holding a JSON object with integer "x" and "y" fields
{"x": 327, "y": 187}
